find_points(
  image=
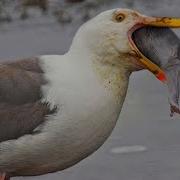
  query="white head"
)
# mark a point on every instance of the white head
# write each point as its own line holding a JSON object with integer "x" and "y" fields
{"x": 108, "y": 37}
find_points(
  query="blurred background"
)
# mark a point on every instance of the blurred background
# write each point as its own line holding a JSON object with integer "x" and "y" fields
{"x": 145, "y": 144}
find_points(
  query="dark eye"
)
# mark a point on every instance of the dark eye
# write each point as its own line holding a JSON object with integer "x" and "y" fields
{"x": 120, "y": 17}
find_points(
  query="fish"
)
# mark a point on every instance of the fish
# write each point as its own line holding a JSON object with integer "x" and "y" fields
{"x": 162, "y": 46}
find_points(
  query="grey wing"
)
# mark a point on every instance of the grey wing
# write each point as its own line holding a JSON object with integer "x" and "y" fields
{"x": 21, "y": 81}
{"x": 21, "y": 110}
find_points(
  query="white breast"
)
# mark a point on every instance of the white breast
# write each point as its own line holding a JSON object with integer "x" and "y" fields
{"x": 87, "y": 111}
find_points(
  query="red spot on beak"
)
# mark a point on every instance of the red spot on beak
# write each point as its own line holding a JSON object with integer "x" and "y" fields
{"x": 161, "y": 77}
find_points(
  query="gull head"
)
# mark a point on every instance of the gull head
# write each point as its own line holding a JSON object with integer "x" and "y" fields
{"x": 108, "y": 38}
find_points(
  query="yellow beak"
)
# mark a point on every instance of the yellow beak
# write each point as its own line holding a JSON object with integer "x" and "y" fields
{"x": 162, "y": 22}
{"x": 158, "y": 22}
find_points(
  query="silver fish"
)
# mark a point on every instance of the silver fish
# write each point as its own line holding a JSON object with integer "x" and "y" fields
{"x": 162, "y": 47}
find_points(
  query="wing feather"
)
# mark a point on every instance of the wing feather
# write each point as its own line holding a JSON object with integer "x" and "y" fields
{"x": 21, "y": 110}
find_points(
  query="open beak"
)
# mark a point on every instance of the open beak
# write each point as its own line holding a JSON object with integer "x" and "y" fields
{"x": 152, "y": 21}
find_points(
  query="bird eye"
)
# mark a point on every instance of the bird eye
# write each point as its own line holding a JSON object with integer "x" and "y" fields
{"x": 120, "y": 17}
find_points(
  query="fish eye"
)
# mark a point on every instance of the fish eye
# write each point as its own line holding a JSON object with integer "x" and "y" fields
{"x": 119, "y": 17}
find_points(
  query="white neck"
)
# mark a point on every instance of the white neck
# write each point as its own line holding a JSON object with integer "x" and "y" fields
{"x": 89, "y": 104}
{"x": 109, "y": 67}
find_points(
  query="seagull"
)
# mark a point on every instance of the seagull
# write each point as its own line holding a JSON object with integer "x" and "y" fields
{"x": 55, "y": 110}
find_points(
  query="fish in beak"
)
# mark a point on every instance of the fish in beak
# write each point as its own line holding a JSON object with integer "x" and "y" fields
{"x": 158, "y": 49}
